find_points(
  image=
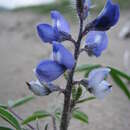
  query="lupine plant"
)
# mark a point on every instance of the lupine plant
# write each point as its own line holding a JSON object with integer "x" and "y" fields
{"x": 63, "y": 62}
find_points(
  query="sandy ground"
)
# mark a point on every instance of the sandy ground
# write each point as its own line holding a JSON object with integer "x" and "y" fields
{"x": 21, "y": 50}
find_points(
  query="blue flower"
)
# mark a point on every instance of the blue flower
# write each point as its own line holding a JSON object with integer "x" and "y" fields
{"x": 59, "y": 31}
{"x": 108, "y": 17}
{"x": 47, "y": 33}
{"x": 41, "y": 89}
{"x": 47, "y": 71}
{"x": 96, "y": 42}
{"x": 96, "y": 83}
{"x": 59, "y": 22}
{"x": 62, "y": 55}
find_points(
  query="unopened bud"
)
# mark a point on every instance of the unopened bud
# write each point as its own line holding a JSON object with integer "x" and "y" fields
{"x": 37, "y": 88}
{"x": 80, "y": 7}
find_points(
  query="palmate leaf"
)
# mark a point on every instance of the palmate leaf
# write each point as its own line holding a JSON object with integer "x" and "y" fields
{"x": 5, "y": 128}
{"x": 3, "y": 106}
{"x": 36, "y": 115}
{"x": 86, "y": 99}
{"x": 7, "y": 116}
{"x": 115, "y": 74}
{"x": 85, "y": 67}
{"x": 120, "y": 83}
{"x": 58, "y": 115}
{"x": 74, "y": 92}
{"x": 19, "y": 102}
{"x": 120, "y": 73}
{"x": 78, "y": 93}
{"x": 89, "y": 67}
{"x": 81, "y": 116}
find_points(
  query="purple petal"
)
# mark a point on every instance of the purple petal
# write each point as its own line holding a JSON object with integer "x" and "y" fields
{"x": 52, "y": 87}
{"x": 96, "y": 41}
{"x": 96, "y": 76}
{"x": 102, "y": 90}
{"x": 60, "y": 22}
{"x": 108, "y": 17}
{"x": 62, "y": 55}
{"x": 47, "y": 33}
{"x": 47, "y": 71}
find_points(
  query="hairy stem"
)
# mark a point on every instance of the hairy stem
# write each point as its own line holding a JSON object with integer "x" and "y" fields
{"x": 54, "y": 123}
{"x": 15, "y": 114}
{"x": 67, "y": 99}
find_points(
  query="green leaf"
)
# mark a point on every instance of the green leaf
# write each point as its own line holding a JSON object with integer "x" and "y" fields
{"x": 120, "y": 83}
{"x": 122, "y": 74}
{"x": 5, "y": 128}
{"x": 46, "y": 127}
{"x": 81, "y": 116}
{"x": 87, "y": 72}
{"x": 87, "y": 68}
{"x": 36, "y": 115}
{"x": 74, "y": 92}
{"x": 90, "y": 69}
{"x": 3, "y": 106}
{"x": 19, "y": 102}
{"x": 57, "y": 114}
{"x": 86, "y": 99}
{"x": 7, "y": 116}
{"x": 79, "y": 93}
{"x": 84, "y": 67}
{"x": 65, "y": 76}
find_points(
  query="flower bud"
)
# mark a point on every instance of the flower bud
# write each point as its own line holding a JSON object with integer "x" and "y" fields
{"x": 108, "y": 17}
{"x": 37, "y": 88}
{"x": 80, "y": 7}
{"x": 41, "y": 89}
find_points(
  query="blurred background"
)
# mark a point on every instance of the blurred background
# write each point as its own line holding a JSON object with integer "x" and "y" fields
{"x": 21, "y": 49}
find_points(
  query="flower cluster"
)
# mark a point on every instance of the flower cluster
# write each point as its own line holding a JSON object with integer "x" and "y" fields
{"x": 58, "y": 31}
{"x": 62, "y": 59}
